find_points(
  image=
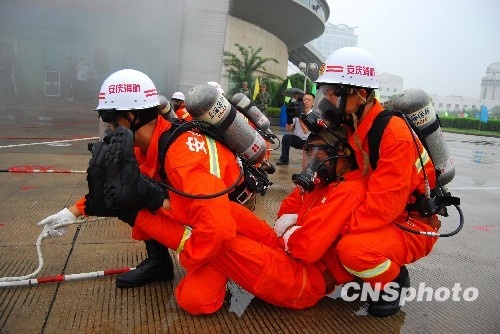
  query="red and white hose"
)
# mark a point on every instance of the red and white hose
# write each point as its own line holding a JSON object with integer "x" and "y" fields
{"x": 27, "y": 280}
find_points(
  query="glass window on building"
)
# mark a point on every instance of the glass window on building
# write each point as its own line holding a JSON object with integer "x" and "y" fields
{"x": 448, "y": 106}
{"x": 457, "y": 106}
{"x": 473, "y": 106}
{"x": 440, "y": 105}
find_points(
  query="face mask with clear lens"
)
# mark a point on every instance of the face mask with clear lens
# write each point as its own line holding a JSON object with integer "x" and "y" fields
{"x": 329, "y": 105}
{"x": 108, "y": 116}
{"x": 307, "y": 179}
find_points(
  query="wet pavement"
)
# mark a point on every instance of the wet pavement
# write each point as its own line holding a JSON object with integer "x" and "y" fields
{"x": 28, "y": 130}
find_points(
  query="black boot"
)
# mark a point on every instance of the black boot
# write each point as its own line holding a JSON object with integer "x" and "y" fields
{"x": 158, "y": 266}
{"x": 124, "y": 185}
{"x": 383, "y": 308}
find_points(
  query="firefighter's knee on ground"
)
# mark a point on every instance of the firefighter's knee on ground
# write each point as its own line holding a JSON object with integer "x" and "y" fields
{"x": 196, "y": 303}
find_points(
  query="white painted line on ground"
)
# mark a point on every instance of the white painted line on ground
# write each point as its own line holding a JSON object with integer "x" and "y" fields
{"x": 49, "y": 142}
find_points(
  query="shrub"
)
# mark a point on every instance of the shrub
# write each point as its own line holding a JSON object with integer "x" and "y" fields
{"x": 273, "y": 112}
{"x": 493, "y": 125}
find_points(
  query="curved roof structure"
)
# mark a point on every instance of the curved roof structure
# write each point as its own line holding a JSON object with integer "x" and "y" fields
{"x": 295, "y": 22}
{"x": 493, "y": 68}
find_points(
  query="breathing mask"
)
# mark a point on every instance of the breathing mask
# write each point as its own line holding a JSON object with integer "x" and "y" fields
{"x": 321, "y": 169}
{"x": 316, "y": 172}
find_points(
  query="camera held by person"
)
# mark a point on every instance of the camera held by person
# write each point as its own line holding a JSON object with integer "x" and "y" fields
{"x": 294, "y": 109}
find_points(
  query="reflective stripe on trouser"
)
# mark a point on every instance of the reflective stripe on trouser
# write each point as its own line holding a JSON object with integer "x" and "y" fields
{"x": 376, "y": 256}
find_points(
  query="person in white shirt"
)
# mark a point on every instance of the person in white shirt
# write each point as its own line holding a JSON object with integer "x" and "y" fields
{"x": 298, "y": 138}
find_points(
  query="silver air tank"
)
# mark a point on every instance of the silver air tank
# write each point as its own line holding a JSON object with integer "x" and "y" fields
{"x": 417, "y": 106}
{"x": 250, "y": 110}
{"x": 206, "y": 103}
{"x": 165, "y": 109}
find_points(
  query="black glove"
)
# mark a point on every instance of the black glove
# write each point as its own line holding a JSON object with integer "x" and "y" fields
{"x": 94, "y": 200}
{"x": 124, "y": 185}
{"x": 128, "y": 216}
{"x": 151, "y": 194}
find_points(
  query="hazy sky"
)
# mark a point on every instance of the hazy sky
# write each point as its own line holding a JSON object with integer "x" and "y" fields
{"x": 440, "y": 46}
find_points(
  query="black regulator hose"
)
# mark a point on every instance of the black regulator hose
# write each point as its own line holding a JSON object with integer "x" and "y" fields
{"x": 199, "y": 126}
{"x": 436, "y": 234}
{"x": 205, "y": 196}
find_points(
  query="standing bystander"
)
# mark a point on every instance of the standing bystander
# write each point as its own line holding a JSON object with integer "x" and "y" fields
{"x": 245, "y": 90}
{"x": 263, "y": 99}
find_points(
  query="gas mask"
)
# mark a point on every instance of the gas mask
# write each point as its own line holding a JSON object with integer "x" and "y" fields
{"x": 331, "y": 102}
{"x": 322, "y": 167}
{"x": 324, "y": 147}
{"x": 109, "y": 116}
{"x": 317, "y": 172}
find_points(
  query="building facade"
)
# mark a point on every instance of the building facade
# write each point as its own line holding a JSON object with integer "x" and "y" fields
{"x": 489, "y": 95}
{"x": 177, "y": 43}
{"x": 335, "y": 37}
{"x": 389, "y": 85}
{"x": 490, "y": 83}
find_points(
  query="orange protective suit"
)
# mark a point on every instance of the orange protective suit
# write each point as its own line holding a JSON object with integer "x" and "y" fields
{"x": 375, "y": 248}
{"x": 256, "y": 259}
{"x": 195, "y": 164}
{"x": 182, "y": 113}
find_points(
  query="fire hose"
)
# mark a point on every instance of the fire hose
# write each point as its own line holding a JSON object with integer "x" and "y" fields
{"x": 28, "y": 280}
{"x": 26, "y": 169}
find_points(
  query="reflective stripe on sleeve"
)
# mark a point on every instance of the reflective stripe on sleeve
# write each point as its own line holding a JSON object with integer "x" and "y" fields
{"x": 185, "y": 236}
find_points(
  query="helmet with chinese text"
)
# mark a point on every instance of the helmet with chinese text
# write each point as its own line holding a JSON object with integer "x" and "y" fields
{"x": 127, "y": 90}
{"x": 351, "y": 66}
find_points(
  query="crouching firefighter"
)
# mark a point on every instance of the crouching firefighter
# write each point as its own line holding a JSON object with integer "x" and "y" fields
{"x": 126, "y": 97}
{"x": 378, "y": 241}
{"x": 204, "y": 166}
{"x": 124, "y": 171}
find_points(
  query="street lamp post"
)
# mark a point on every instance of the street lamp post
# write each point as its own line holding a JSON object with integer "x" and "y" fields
{"x": 305, "y": 68}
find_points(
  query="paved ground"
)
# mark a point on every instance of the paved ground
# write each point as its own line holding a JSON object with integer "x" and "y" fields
{"x": 96, "y": 306}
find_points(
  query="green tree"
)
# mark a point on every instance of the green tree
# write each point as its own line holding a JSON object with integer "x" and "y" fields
{"x": 495, "y": 112}
{"x": 240, "y": 68}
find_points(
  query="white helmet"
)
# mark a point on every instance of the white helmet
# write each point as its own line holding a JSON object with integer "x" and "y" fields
{"x": 178, "y": 96}
{"x": 217, "y": 86}
{"x": 349, "y": 66}
{"x": 127, "y": 90}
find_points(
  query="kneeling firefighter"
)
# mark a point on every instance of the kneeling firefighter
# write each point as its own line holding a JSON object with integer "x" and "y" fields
{"x": 121, "y": 181}
{"x": 375, "y": 249}
{"x": 127, "y": 97}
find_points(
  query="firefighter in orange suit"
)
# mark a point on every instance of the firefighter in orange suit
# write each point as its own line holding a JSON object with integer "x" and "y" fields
{"x": 120, "y": 185}
{"x": 195, "y": 164}
{"x": 295, "y": 268}
{"x": 375, "y": 249}
{"x": 178, "y": 99}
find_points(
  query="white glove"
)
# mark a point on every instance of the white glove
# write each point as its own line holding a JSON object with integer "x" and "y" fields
{"x": 288, "y": 234}
{"x": 57, "y": 224}
{"x": 284, "y": 222}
